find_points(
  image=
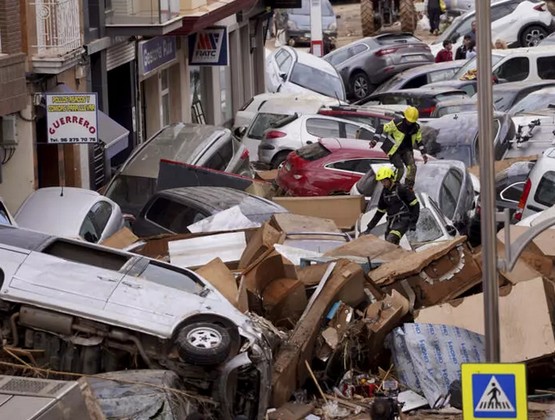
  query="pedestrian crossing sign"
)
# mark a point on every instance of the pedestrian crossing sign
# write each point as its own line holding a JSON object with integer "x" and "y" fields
{"x": 494, "y": 391}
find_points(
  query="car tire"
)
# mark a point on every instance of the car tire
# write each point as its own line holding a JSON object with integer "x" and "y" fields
{"x": 203, "y": 344}
{"x": 532, "y": 35}
{"x": 291, "y": 42}
{"x": 407, "y": 15}
{"x": 360, "y": 85}
{"x": 279, "y": 159}
{"x": 367, "y": 17}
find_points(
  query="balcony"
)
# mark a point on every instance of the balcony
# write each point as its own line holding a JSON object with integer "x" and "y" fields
{"x": 142, "y": 17}
{"x": 57, "y": 36}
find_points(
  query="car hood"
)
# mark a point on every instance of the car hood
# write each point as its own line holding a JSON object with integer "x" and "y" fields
{"x": 106, "y": 296}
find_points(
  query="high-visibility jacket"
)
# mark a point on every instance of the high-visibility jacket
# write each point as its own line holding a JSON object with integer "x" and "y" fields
{"x": 392, "y": 129}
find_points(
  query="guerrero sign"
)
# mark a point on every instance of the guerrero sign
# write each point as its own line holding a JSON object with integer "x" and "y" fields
{"x": 72, "y": 118}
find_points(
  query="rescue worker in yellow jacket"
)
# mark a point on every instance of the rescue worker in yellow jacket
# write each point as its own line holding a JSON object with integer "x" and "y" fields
{"x": 400, "y": 204}
{"x": 399, "y": 137}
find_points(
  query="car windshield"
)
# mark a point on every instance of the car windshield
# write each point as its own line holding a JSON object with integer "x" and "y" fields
{"x": 427, "y": 229}
{"x": 471, "y": 64}
{"x": 261, "y": 123}
{"x": 327, "y": 10}
{"x": 453, "y": 109}
{"x": 318, "y": 81}
{"x": 461, "y": 152}
{"x": 389, "y": 84}
{"x": 535, "y": 101}
{"x": 131, "y": 192}
{"x": 171, "y": 277}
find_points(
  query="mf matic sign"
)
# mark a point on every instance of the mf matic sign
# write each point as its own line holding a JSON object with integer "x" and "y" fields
{"x": 209, "y": 47}
{"x": 72, "y": 118}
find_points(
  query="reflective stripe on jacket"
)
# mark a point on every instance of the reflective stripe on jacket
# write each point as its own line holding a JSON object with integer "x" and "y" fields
{"x": 398, "y": 136}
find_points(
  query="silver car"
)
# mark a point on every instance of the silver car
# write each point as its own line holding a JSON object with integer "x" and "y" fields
{"x": 89, "y": 309}
{"x": 195, "y": 144}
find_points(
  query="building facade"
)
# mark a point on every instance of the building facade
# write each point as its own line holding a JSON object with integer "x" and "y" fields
{"x": 135, "y": 55}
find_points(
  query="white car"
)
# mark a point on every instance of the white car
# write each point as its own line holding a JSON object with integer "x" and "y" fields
{"x": 5, "y": 215}
{"x": 82, "y": 307}
{"x": 261, "y": 102}
{"x": 291, "y": 70}
{"x": 432, "y": 226}
{"x": 292, "y": 132}
{"x": 518, "y": 23}
{"x": 71, "y": 212}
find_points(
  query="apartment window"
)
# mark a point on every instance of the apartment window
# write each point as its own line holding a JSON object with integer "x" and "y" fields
{"x": 164, "y": 97}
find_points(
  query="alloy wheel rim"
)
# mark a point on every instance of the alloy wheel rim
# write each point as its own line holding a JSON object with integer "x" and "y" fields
{"x": 204, "y": 338}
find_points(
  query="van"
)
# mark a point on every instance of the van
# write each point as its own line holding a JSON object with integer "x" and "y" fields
{"x": 539, "y": 191}
{"x": 516, "y": 65}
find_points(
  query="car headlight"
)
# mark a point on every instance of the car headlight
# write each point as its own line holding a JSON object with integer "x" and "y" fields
{"x": 291, "y": 24}
{"x": 332, "y": 27}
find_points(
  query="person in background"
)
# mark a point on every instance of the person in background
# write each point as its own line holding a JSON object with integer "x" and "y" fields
{"x": 434, "y": 11}
{"x": 471, "y": 49}
{"x": 472, "y": 33}
{"x": 446, "y": 54}
{"x": 500, "y": 44}
{"x": 400, "y": 204}
{"x": 460, "y": 53}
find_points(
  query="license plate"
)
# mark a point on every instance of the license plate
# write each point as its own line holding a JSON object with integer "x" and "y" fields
{"x": 413, "y": 58}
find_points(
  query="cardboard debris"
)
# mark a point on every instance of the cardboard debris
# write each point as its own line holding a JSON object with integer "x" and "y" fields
{"x": 369, "y": 246}
{"x": 291, "y": 411}
{"x": 526, "y": 311}
{"x": 289, "y": 370}
{"x": 267, "y": 270}
{"x": 284, "y": 301}
{"x": 260, "y": 244}
{"x": 435, "y": 275}
{"x": 267, "y": 175}
{"x": 386, "y": 314}
{"x": 219, "y": 276}
{"x": 344, "y": 210}
{"x": 195, "y": 252}
{"x": 121, "y": 239}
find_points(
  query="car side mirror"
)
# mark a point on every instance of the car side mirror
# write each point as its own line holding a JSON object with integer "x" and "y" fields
{"x": 451, "y": 230}
{"x": 239, "y": 132}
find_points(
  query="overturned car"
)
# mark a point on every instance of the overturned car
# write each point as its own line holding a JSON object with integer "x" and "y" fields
{"x": 92, "y": 309}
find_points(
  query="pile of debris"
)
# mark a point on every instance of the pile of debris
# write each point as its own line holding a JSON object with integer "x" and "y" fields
{"x": 367, "y": 328}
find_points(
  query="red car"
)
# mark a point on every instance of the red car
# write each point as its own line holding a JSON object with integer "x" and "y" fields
{"x": 331, "y": 166}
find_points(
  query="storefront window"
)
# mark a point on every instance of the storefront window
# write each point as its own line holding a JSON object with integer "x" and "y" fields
{"x": 197, "y": 112}
{"x": 225, "y": 93}
{"x": 165, "y": 97}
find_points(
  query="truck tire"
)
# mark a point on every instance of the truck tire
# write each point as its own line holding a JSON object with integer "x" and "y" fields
{"x": 203, "y": 344}
{"x": 367, "y": 17}
{"x": 407, "y": 15}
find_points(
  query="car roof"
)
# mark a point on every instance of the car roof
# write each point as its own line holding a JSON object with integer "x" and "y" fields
{"x": 333, "y": 143}
{"x": 436, "y": 170}
{"x": 216, "y": 199}
{"x": 421, "y": 92}
{"x": 180, "y": 142}
{"x": 24, "y": 238}
{"x": 452, "y": 83}
{"x": 311, "y": 60}
{"x": 538, "y": 50}
{"x": 425, "y": 68}
{"x": 303, "y": 104}
{"x": 61, "y": 209}
{"x": 517, "y": 86}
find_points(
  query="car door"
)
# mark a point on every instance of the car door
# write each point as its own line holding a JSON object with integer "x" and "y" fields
{"x": 273, "y": 68}
{"x": 514, "y": 69}
{"x": 355, "y": 131}
{"x": 345, "y": 173}
{"x": 450, "y": 195}
{"x": 318, "y": 127}
{"x": 96, "y": 225}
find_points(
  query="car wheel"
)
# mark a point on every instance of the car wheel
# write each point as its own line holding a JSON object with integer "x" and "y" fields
{"x": 532, "y": 35}
{"x": 291, "y": 42}
{"x": 360, "y": 86}
{"x": 203, "y": 344}
{"x": 407, "y": 15}
{"x": 279, "y": 159}
{"x": 367, "y": 17}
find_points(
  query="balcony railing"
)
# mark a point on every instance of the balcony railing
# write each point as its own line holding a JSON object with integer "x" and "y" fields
{"x": 142, "y": 12}
{"x": 58, "y": 30}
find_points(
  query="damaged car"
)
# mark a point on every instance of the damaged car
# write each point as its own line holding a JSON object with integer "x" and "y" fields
{"x": 91, "y": 309}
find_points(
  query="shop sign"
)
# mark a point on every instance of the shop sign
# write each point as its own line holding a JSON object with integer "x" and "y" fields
{"x": 156, "y": 52}
{"x": 209, "y": 47}
{"x": 71, "y": 118}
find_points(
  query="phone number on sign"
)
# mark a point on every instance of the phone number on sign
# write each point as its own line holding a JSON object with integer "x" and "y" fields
{"x": 73, "y": 140}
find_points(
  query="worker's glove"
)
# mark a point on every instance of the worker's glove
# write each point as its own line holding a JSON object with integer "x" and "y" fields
{"x": 373, "y": 143}
{"x": 425, "y": 158}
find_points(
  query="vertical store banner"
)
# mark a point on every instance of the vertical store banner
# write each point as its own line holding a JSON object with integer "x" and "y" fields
{"x": 209, "y": 47}
{"x": 72, "y": 118}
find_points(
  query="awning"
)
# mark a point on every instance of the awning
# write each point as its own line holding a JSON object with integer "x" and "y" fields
{"x": 114, "y": 136}
{"x": 215, "y": 11}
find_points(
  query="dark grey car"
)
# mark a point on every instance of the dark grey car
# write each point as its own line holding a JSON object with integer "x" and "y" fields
{"x": 421, "y": 75}
{"x": 195, "y": 144}
{"x": 365, "y": 64}
{"x": 171, "y": 211}
{"x": 455, "y": 136}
